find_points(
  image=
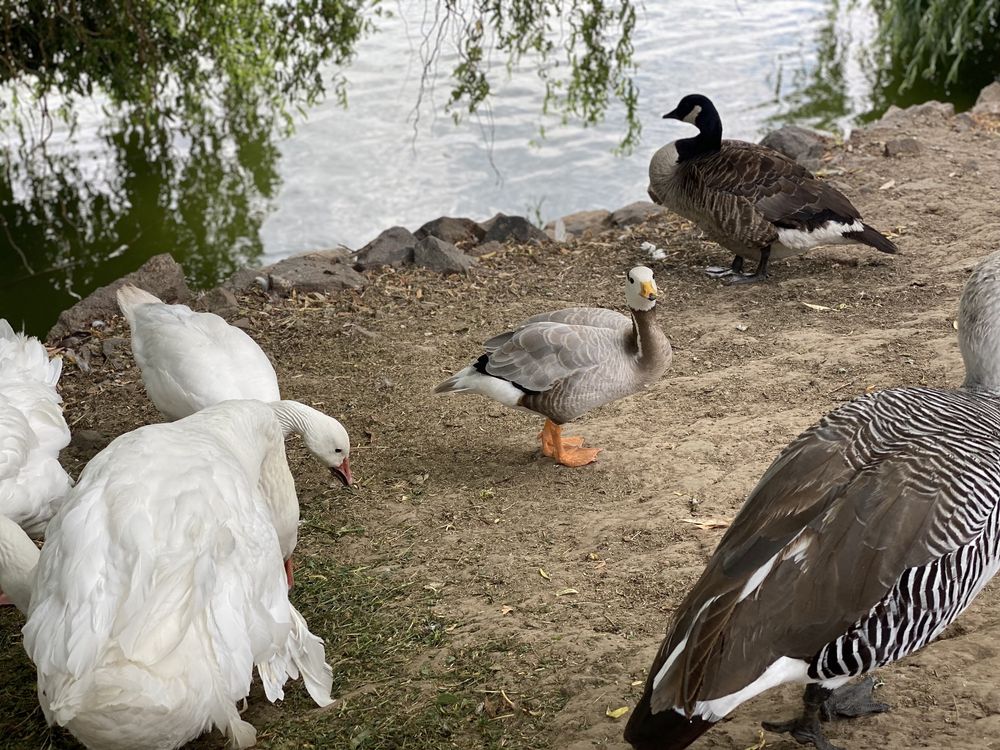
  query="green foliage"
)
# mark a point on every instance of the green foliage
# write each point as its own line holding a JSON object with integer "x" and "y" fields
{"x": 941, "y": 40}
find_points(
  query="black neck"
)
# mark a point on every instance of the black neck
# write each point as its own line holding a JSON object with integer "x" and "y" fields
{"x": 708, "y": 140}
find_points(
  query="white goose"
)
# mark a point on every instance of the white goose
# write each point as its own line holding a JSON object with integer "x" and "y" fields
{"x": 191, "y": 360}
{"x": 160, "y": 585}
{"x": 32, "y": 432}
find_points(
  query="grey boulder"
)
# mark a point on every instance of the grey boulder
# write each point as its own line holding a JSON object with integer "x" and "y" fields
{"x": 803, "y": 145}
{"x": 393, "y": 247}
{"x": 443, "y": 257}
{"x": 160, "y": 275}
{"x": 321, "y": 271}
{"x": 503, "y": 228}
{"x": 451, "y": 230}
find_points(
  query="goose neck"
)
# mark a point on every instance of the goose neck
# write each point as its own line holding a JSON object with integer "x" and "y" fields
{"x": 649, "y": 339}
{"x": 18, "y": 559}
{"x": 293, "y": 417}
{"x": 708, "y": 140}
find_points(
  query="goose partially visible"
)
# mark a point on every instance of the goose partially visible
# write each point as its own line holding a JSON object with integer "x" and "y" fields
{"x": 868, "y": 535}
{"x": 752, "y": 200}
{"x": 191, "y": 360}
{"x": 565, "y": 363}
{"x": 160, "y": 586}
{"x": 32, "y": 432}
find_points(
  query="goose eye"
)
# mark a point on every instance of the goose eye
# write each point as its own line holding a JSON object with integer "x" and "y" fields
{"x": 631, "y": 280}
{"x": 339, "y": 450}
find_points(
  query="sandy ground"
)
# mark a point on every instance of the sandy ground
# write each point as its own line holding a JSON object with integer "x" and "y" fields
{"x": 475, "y": 595}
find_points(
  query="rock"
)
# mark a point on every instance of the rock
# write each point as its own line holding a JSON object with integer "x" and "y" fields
{"x": 635, "y": 213}
{"x": 220, "y": 301}
{"x": 394, "y": 247}
{"x": 441, "y": 256}
{"x": 932, "y": 110}
{"x": 486, "y": 248}
{"x": 451, "y": 230}
{"x": 321, "y": 271}
{"x": 988, "y": 102}
{"x": 503, "y": 228}
{"x": 582, "y": 223}
{"x": 160, "y": 275}
{"x": 902, "y": 146}
{"x": 963, "y": 121}
{"x": 111, "y": 349}
{"x": 803, "y": 145}
{"x": 244, "y": 279}
{"x": 243, "y": 324}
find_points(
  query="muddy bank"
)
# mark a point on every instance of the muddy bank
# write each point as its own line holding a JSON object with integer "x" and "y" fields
{"x": 475, "y": 595}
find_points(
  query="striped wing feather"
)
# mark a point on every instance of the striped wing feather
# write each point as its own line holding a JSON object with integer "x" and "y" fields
{"x": 779, "y": 190}
{"x": 845, "y": 510}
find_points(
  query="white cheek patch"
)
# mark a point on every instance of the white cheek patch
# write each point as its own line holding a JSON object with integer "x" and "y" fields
{"x": 693, "y": 114}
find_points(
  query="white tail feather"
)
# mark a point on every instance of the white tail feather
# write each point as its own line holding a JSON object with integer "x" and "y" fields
{"x": 130, "y": 297}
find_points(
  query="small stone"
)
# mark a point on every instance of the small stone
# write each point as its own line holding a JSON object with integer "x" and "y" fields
{"x": 902, "y": 147}
{"x": 441, "y": 256}
{"x": 89, "y": 440}
{"x": 635, "y": 213}
{"x": 963, "y": 121}
{"x": 503, "y": 228}
{"x": 988, "y": 102}
{"x": 220, "y": 301}
{"x": 582, "y": 223}
{"x": 451, "y": 230}
{"x": 393, "y": 247}
{"x": 110, "y": 347}
{"x": 486, "y": 248}
{"x": 242, "y": 323}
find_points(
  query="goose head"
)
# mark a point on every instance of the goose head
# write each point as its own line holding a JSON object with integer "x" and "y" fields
{"x": 324, "y": 436}
{"x": 695, "y": 109}
{"x": 640, "y": 289}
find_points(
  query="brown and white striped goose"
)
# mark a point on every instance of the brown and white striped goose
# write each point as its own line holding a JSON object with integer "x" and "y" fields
{"x": 752, "y": 200}
{"x": 863, "y": 541}
{"x": 562, "y": 364}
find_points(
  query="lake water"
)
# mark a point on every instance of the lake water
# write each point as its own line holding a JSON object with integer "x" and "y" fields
{"x": 345, "y": 175}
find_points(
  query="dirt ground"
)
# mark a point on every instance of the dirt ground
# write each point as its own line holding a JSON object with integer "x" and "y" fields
{"x": 473, "y": 594}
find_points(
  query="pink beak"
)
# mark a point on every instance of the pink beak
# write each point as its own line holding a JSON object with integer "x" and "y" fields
{"x": 289, "y": 576}
{"x": 343, "y": 472}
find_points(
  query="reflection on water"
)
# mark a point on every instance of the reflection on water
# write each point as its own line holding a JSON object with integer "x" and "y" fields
{"x": 90, "y": 208}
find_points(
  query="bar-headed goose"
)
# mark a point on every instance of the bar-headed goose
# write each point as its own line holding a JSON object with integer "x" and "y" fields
{"x": 752, "y": 200}
{"x": 32, "y": 432}
{"x": 190, "y": 360}
{"x": 160, "y": 586}
{"x": 562, "y": 364}
{"x": 863, "y": 541}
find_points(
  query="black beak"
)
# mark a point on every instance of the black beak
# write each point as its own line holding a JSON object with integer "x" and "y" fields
{"x": 673, "y": 115}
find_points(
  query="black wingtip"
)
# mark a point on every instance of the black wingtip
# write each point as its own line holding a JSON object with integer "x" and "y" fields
{"x": 873, "y": 238}
{"x": 666, "y": 730}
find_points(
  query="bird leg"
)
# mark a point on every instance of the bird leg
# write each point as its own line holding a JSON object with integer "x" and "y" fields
{"x": 568, "y": 451}
{"x": 289, "y": 575}
{"x": 760, "y": 274}
{"x": 5, "y": 601}
{"x": 806, "y": 729}
{"x": 549, "y": 430}
{"x": 718, "y": 272}
{"x": 852, "y": 701}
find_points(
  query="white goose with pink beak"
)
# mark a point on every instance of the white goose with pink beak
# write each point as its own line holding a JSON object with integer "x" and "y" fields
{"x": 191, "y": 360}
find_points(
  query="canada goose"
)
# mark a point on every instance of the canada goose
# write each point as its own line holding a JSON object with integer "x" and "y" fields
{"x": 562, "y": 364}
{"x": 160, "y": 585}
{"x": 752, "y": 200}
{"x": 190, "y": 360}
{"x": 868, "y": 535}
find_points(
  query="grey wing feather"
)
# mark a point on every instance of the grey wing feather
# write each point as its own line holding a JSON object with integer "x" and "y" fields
{"x": 538, "y": 355}
{"x": 594, "y": 317}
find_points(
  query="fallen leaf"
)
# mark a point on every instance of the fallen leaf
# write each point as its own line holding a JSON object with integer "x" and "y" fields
{"x": 954, "y": 324}
{"x": 616, "y": 713}
{"x": 708, "y": 522}
{"x": 506, "y": 609}
{"x": 760, "y": 743}
{"x": 543, "y": 574}
{"x": 636, "y": 682}
{"x": 564, "y": 592}
{"x": 741, "y": 326}
{"x": 820, "y": 308}
{"x": 887, "y": 185}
